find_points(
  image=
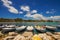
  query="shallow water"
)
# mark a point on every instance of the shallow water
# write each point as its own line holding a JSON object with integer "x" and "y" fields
{"x": 32, "y": 23}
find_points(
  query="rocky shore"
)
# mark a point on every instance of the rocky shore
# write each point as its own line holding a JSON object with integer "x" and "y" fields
{"x": 30, "y": 36}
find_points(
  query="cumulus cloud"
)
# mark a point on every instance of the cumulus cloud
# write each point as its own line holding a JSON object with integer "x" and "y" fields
{"x": 20, "y": 12}
{"x": 34, "y": 11}
{"x": 52, "y": 11}
{"x": 35, "y": 16}
{"x": 8, "y": 4}
{"x": 55, "y": 17}
{"x": 41, "y": 17}
{"x": 25, "y": 8}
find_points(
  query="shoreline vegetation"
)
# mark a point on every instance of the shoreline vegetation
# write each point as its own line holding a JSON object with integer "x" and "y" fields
{"x": 22, "y": 20}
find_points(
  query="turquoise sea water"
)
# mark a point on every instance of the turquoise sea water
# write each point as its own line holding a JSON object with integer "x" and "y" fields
{"x": 32, "y": 23}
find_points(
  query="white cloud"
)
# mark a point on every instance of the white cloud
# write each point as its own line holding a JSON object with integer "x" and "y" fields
{"x": 52, "y": 11}
{"x": 25, "y": 8}
{"x": 11, "y": 9}
{"x": 40, "y": 16}
{"x": 34, "y": 11}
{"x": 47, "y": 12}
{"x": 35, "y": 16}
{"x": 20, "y": 12}
{"x": 55, "y": 17}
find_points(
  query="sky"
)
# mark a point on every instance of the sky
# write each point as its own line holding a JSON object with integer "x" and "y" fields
{"x": 30, "y": 9}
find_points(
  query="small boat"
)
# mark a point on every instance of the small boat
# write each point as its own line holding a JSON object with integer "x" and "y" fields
{"x": 11, "y": 26}
{"x": 51, "y": 28}
{"x": 1, "y": 27}
{"x": 21, "y": 28}
{"x": 40, "y": 29}
{"x": 6, "y": 30}
{"x": 58, "y": 26}
{"x": 30, "y": 28}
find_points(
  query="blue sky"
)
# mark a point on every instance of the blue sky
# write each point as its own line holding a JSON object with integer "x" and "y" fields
{"x": 30, "y": 9}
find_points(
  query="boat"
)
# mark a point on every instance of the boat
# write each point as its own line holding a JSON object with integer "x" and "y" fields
{"x": 2, "y": 26}
{"x": 8, "y": 28}
{"x": 30, "y": 28}
{"x": 21, "y": 28}
{"x": 40, "y": 29}
{"x": 11, "y": 26}
{"x": 58, "y": 26}
{"x": 51, "y": 28}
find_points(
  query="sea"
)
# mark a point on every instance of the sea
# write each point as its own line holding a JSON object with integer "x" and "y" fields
{"x": 32, "y": 23}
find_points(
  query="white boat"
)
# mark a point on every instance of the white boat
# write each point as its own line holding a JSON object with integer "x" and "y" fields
{"x": 1, "y": 27}
{"x": 30, "y": 28}
{"x": 58, "y": 26}
{"x": 21, "y": 28}
{"x": 5, "y": 30}
{"x": 51, "y": 28}
{"x": 40, "y": 29}
{"x": 10, "y": 26}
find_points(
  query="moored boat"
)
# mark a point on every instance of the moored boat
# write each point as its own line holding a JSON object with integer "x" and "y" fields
{"x": 51, "y": 28}
{"x": 1, "y": 27}
{"x": 40, "y": 29}
{"x": 8, "y": 28}
{"x": 21, "y": 28}
{"x": 58, "y": 26}
{"x": 30, "y": 28}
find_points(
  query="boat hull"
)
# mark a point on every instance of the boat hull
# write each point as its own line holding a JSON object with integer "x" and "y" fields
{"x": 50, "y": 29}
{"x": 20, "y": 30}
{"x": 8, "y": 30}
{"x": 41, "y": 31}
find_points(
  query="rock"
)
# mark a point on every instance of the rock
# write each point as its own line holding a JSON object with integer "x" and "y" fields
{"x": 45, "y": 37}
{"x": 8, "y": 38}
{"x": 12, "y": 33}
{"x": 1, "y": 34}
{"x": 26, "y": 34}
{"x": 56, "y": 36}
{"x": 49, "y": 33}
{"x": 19, "y": 37}
{"x": 58, "y": 33}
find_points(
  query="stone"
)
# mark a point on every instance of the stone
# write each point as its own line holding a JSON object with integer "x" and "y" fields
{"x": 8, "y": 38}
{"x": 19, "y": 37}
{"x": 26, "y": 34}
{"x": 12, "y": 33}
